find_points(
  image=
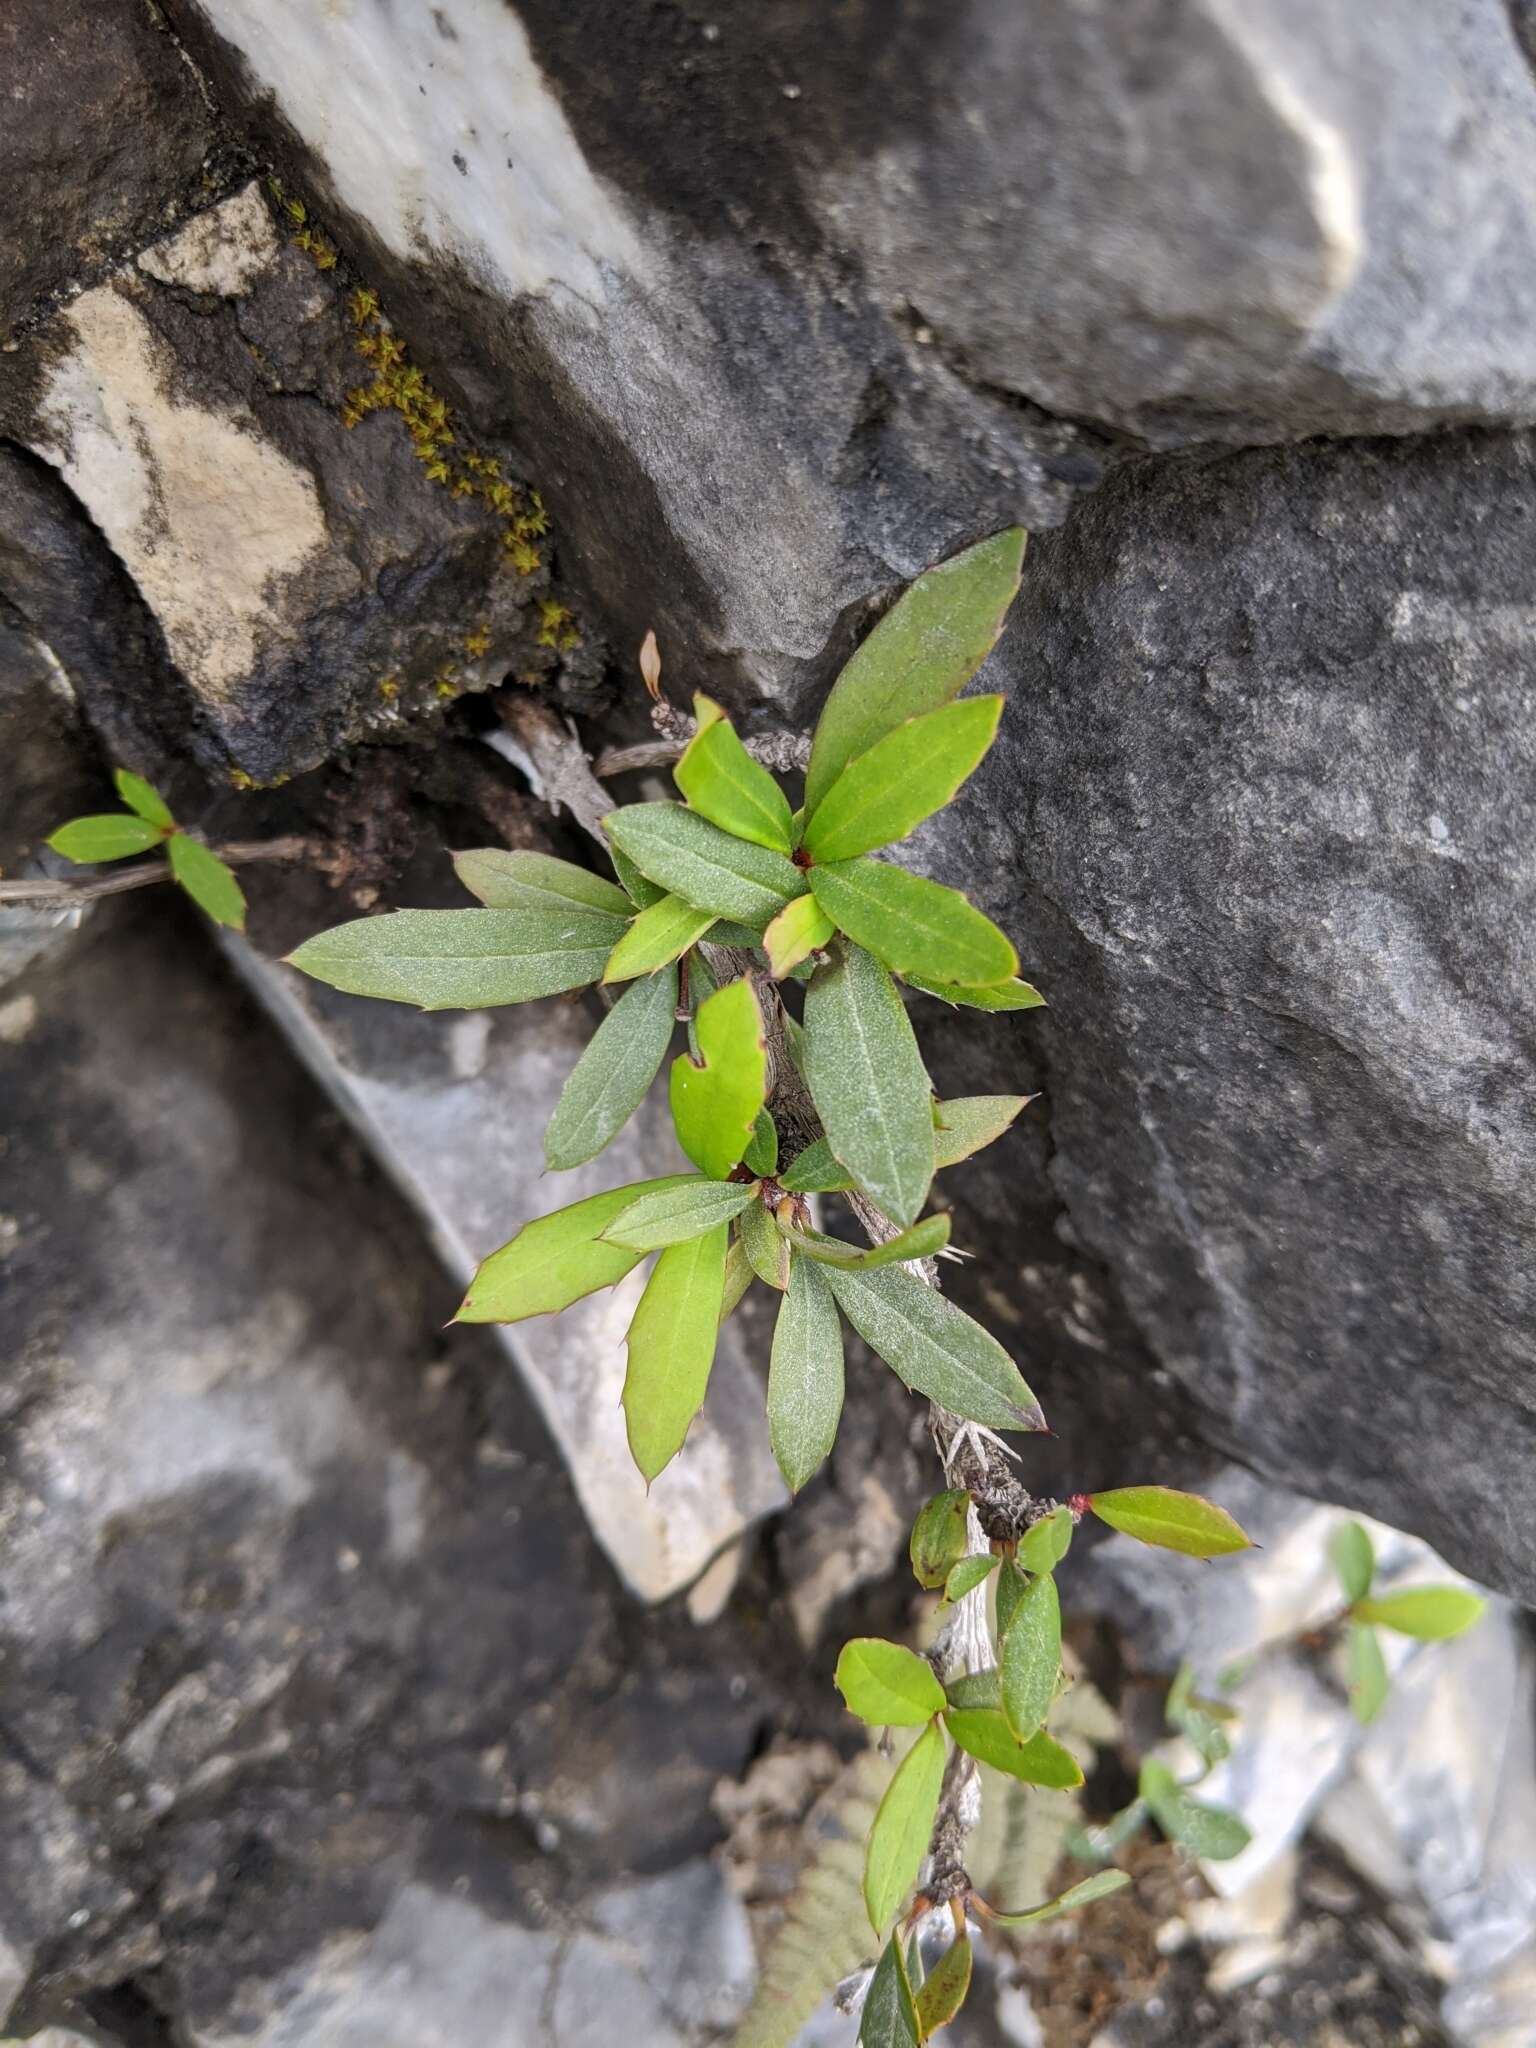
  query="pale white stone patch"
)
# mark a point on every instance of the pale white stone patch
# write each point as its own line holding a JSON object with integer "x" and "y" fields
{"x": 220, "y": 251}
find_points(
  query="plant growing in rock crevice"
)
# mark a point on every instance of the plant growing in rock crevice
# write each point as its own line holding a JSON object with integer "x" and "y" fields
{"x": 720, "y": 900}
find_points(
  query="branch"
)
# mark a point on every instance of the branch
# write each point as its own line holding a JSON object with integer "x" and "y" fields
{"x": 780, "y": 750}
{"x": 62, "y": 894}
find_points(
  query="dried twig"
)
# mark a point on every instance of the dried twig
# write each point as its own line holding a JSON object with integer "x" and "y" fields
{"x": 779, "y": 750}
{"x": 62, "y": 894}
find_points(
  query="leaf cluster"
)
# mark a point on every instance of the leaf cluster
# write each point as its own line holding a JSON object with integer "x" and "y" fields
{"x": 1431, "y": 1614}
{"x": 143, "y": 824}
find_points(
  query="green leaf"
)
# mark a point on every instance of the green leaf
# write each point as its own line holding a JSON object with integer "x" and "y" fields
{"x": 1208, "y": 1831}
{"x": 1432, "y": 1614}
{"x": 461, "y": 959}
{"x": 1012, "y": 1584}
{"x": 519, "y": 880}
{"x": 887, "y": 1685}
{"x": 1369, "y": 1684}
{"x": 209, "y": 881}
{"x": 142, "y": 797}
{"x": 922, "y": 1241}
{"x": 609, "y": 1082}
{"x": 705, "y": 866}
{"x": 1046, "y": 1542}
{"x": 1098, "y": 1886}
{"x": 762, "y": 1153}
{"x": 800, "y": 929}
{"x": 967, "y": 1575}
{"x": 976, "y": 1689}
{"x": 904, "y": 778}
{"x": 1196, "y": 1720}
{"x": 672, "y": 1347}
{"x": 935, "y": 1347}
{"x": 556, "y": 1259}
{"x": 723, "y": 783}
{"x": 716, "y": 1099}
{"x": 1007, "y": 995}
{"x": 112, "y": 835}
{"x": 889, "y": 2018}
{"x": 662, "y": 933}
{"x": 805, "y": 1376}
{"x": 685, "y": 1209}
{"x": 939, "y": 1537}
{"x": 816, "y": 1172}
{"x": 909, "y": 922}
{"x": 766, "y": 1246}
{"x": 966, "y": 1123}
{"x": 898, "y": 1841}
{"x": 1354, "y": 1559}
{"x": 747, "y": 938}
{"x": 1030, "y": 1658}
{"x": 867, "y": 1079}
{"x": 738, "y": 1278}
{"x": 983, "y": 1732}
{"x": 1172, "y": 1521}
{"x": 636, "y": 887}
{"x": 944, "y": 1993}
{"x": 921, "y": 654}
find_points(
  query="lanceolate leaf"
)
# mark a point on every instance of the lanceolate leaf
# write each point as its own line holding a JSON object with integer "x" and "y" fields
{"x": 762, "y": 1153}
{"x": 1354, "y": 1559}
{"x": 519, "y": 880}
{"x": 636, "y": 887}
{"x": 887, "y": 1685}
{"x": 967, "y": 1575}
{"x": 903, "y": 779}
{"x": 683, "y": 1209}
{"x": 672, "y": 1347}
{"x": 920, "y": 1242}
{"x": 716, "y": 1098}
{"x": 1173, "y": 1521}
{"x": 816, "y": 1172}
{"x": 766, "y": 1246}
{"x": 966, "y": 1123}
{"x": 142, "y": 797}
{"x": 805, "y": 1376}
{"x": 209, "y": 881}
{"x": 738, "y": 1278}
{"x": 705, "y": 866}
{"x": 1031, "y": 1657}
{"x": 1046, "y": 1542}
{"x": 976, "y": 1689}
{"x": 462, "y": 959}
{"x": 662, "y": 933}
{"x": 1084, "y": 1894}
{"x": 1431, "y": 1613}
{"x": 898, "y": 1841}
{"x": 938, "y": 1538}
{"x": 723, "y": 783}
{"x": 1007, "y": 995}
{"x": 113, "y": 835}
{"x": 1369, "y": 1684}
{"x": 889, "y": 2019}
{"x": 935, "y": 1347}
{"x": 556, "y": 1259}
{"x": 800, "y": 929}
{"x": 868, "y": 1081}
{"x": 984, "y": 1733}
{"x": 942, "y": 1996}
{"x": 1208, "y": 1831}
{"x": 609, "y": 1082}
{"x": 921, "y": 654}
{"x": 912, "y": 923}
{"x": 1012, "y": 1584}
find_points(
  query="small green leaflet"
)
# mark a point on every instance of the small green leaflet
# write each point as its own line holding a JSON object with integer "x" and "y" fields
{"x": 1369, "y": 1684}
{"x": 922, "y": 1241}
{"x": 1354, "y": 1559}
{"x": 805, "y": 1375}
{"x": 1097, "y": 1887}
{"x": 738, "y": 1278}
{"x": 1007, "y": 995}
{"x": 1432, "y": 1614}
{"x": 1011, "y": 1586}
{"x": 1030, "y": 1659}
{"x": 723, "y": 783}
{"x": 887, "y": 1685}
{"x": 983, "y": 1732}
{"x": 113, "y": 835}
{"x": 889, "y": 2019}
{"x": 920, "y": 655}
{"x": 636, "y": 887}
{"x": 717, "y": 1098}
{"x": 816, "y": 1172}
{"x": 1046, "y": 1542}
{"x": 662, "y": 933}
{"x": 766, "y": 1246}
{"x": 911, "y": 923}
{"x": 867, "y": 1079}
{"x": 461, "y": 959}
{"x": 556, "y": 1259}
{"x": 966, "y": 1123}
{"x": 209, "y": 881}
{"x": 672, "y": 1347}
{"x": 1208, "y": 1831}
{"x": 935, "y": 1347}
{"x": 140, "y": 796}
{"x": 1196, "y": 1719}
{"x": 684, "y": 1209}
{"x": 967, "y": 1575}
{"x": 976, "y": 1689}
{"x": 609, "y": 1082}
{"x": 705, "y": 866}
{"x": 521, "y": 880}
{"x": 904, "y": 778}
{"x": 938, "y": 1538}
{"x": 1173, "y": 1521}
{"x": 800, "y": 929}
{"x": 942, "y": 1996}
{"x": 762, "y": 1153}
{"x": 898, "y": 1841}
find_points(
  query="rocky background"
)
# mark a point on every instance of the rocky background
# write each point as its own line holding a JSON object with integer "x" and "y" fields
{"x": 372, "y": 370}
